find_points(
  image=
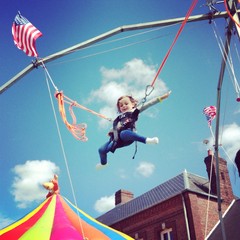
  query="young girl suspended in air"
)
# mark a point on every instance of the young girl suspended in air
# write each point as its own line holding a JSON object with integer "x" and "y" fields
{"x": 123, "y": 132}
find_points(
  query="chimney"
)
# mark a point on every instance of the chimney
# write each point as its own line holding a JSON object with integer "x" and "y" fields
{"x": 123, "y": 196}
{"x": 225, "y": 183}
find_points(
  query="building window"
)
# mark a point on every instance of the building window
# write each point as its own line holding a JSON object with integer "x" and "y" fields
{"x": 167, "y": 234}
{"x": 137, "y": 237}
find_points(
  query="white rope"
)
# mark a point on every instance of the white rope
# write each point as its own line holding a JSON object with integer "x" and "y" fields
{"x": 234, "y": 164}
{"x": 232, "y": 75}
{"x": 209, "y": 191}
{"x": 238, "y": 57}
{"x": 62, "y": 147}
{"x": 208, "y": 201}
{"x": 229, "y": 61}
{"x": 48, "y": 75}
{"x": 120, "y": 47}
{"x": 106, "y": 51}
{"x": 123, "y": 38}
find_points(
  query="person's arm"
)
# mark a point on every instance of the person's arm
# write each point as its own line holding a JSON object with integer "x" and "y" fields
{"x": 153, "y": 101}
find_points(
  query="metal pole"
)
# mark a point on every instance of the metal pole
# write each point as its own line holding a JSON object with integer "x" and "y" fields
{"x": 220, "y": 81}
{"x": 105, "y": 36}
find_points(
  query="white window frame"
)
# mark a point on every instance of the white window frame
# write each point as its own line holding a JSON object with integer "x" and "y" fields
{"x": 167, "y": 231}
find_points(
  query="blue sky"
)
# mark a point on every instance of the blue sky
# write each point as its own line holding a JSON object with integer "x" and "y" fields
{"x": 95, "y": 77}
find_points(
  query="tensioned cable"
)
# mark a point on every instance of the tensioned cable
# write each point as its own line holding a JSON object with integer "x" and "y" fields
{"x": 238, "y": 57}
{"x": 222, "y": 50}
{"x": 63, "y": 149}
{"x": 171, "y": 47}
{"x": 117, "y": 48}
{"x": 232, "y": 75}
{"x": 229, "y": 61}
{"x": 70, "y": 101}
{"x": 210, "y": 116}
{"x": 109, "y": 50}
{"x": 126, "y": 37}
{"x": 208, "y": 200}
{"x": 120, "y": 39}
{"x": 237, "y": 51}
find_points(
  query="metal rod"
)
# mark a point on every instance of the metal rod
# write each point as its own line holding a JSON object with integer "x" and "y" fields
{"x": 107, "y": 35}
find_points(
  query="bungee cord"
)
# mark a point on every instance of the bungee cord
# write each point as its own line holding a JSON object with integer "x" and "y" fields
{"x": 63, "y": 151}
{"x": 175, "y": 40}
{"x": 79, "y": 131}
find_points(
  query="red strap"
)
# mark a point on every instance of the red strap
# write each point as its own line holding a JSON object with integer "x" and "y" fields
{"x": 229, "y": 13}
{"x": 175, "y": 39}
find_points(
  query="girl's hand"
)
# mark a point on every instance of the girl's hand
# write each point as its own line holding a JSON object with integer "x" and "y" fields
{"x": 166, "y": 95}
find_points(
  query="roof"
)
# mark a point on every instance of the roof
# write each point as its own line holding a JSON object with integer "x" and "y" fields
{"x": 174, "y": 186}
{"x": 231, "y": 220}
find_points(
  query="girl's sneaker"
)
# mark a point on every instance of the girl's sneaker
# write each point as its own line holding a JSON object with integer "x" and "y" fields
{"x": 153, "y": 140}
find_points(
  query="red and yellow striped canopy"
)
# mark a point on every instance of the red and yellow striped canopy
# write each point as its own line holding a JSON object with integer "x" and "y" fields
{"x": 58, "y": 219}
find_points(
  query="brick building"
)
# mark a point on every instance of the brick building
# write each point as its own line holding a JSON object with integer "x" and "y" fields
{"x": 175, "y": 209}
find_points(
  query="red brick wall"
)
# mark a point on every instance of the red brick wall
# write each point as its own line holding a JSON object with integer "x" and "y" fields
{"x": 202, "y": 214}
{"x": 225, "y": 183}
{"x": 197, "y": 208}
{"x": 148, "y": 223}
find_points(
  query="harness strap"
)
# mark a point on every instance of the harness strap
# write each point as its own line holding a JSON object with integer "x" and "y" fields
{"x": 135, "y": 152}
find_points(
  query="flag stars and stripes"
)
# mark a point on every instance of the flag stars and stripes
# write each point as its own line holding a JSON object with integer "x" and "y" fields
{"x": 25, "y": 35}
{"x": 210, "y": 113}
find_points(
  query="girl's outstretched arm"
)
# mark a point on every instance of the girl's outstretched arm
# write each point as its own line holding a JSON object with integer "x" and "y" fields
{"x": 153, "y": 101}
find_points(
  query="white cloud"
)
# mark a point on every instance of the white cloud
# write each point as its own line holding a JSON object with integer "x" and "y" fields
{"x": 131, "y": 79}
{"x": 4, "y": 221}
{"x": 104, "y": 204}
{"x": 229, "y": 138}
{"x": 145, "y": 169}
{"x": 122, "y": 173}
{"x": 27, "y": 184}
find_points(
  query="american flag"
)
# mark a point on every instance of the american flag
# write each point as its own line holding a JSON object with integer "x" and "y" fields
{"x": 210, "y": 113}
{"x": 25, "y": 35}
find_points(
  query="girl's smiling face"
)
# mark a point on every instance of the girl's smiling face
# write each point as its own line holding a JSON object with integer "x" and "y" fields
{"x": 125, "y": 104}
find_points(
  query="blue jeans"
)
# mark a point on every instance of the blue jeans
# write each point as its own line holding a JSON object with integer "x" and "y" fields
{"x": 127, "y": 137}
